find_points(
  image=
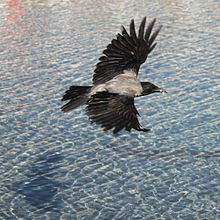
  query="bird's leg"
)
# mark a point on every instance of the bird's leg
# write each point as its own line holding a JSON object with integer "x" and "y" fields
{"x": 145, "y": 129}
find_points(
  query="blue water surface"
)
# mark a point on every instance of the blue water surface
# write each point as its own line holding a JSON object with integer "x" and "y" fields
{"x": 59, "y": 166}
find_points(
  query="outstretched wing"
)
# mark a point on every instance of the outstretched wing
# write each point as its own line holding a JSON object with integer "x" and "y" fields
{"x": 113, "y": 111}
{"x": 128, "y": 51}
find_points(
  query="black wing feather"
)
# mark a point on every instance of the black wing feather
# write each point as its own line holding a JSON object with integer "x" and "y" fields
{"x": 149, "y": 29}
{"x": 127, "y": 51}
{"x": 133, "y": 32}
{"x": 141, "y": 29}
{"x": 154, "y": 35}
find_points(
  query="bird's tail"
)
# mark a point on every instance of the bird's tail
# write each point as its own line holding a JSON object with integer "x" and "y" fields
{"x": 77, "y": 96}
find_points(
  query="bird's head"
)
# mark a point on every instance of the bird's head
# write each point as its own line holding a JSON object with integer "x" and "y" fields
{"x": 149, "y": 88}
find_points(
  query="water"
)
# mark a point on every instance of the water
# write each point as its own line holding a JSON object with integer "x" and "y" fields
{"x": 59, "y": 166}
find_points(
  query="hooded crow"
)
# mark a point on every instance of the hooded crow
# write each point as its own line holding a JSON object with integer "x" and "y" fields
{"x": 110, "y": 100}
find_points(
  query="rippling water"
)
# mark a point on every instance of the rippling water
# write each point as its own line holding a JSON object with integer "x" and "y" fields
{"x": 59, "y": 166}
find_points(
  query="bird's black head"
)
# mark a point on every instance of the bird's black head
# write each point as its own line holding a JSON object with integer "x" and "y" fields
{"x": 149, "y": 88}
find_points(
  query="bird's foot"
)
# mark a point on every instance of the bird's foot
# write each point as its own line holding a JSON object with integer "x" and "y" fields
{"x": 143, "y": 129}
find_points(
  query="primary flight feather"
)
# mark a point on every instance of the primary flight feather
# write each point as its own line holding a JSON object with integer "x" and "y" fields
{"x": 110, "y": 100}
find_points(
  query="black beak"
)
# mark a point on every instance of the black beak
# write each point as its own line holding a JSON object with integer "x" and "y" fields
{"x": 160, "y": 90}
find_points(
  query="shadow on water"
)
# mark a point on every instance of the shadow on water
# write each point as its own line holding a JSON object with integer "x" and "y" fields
{"x": 40, "y": 185}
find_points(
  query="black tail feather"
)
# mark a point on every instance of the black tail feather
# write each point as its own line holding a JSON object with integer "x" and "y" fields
{"x": 75, "y": 91}
{"x": 77, "y": 96}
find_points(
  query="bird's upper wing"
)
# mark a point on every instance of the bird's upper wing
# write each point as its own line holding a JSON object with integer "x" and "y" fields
{"x": 113, "y": 111}
{"x": 127, "y": 51}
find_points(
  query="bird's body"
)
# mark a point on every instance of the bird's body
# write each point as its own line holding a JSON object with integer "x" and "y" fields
{"x": 110, "y": 100}
{"x": 123, "y": 84}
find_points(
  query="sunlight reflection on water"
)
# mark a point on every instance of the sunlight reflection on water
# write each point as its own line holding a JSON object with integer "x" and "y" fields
{"x": 59, "y": 165}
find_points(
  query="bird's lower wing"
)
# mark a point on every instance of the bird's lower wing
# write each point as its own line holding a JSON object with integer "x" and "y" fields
{"x": 113, "y": 111}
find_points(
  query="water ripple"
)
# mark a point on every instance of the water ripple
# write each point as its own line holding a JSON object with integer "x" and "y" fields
{"x": 59, "y": 166}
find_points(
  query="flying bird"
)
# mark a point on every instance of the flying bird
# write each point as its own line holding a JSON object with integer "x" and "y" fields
{"x": 110, "y": 100}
